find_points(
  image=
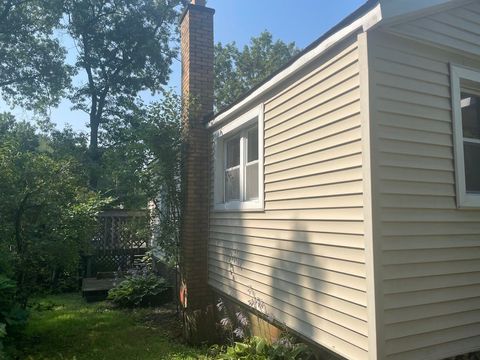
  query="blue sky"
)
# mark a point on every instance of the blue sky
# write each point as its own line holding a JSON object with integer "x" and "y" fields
{"x": 301, "y": 21}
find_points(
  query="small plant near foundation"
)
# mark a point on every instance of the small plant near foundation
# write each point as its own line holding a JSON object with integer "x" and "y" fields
{"x": 234, "y": 325}
{"x": 256, "y": 348}
{"x": 242, "y": 346}
{"x": 287, "y": 347}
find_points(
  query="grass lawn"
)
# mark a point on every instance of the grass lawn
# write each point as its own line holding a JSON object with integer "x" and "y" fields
{"x": 66, "y": 327}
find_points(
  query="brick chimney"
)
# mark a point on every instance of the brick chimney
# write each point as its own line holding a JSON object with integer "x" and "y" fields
{"x": 197, "y": 94}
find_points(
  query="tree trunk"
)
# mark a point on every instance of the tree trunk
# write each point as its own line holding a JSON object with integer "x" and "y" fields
{"x": 22, "y": 292}
{"x": 94, "y": 153}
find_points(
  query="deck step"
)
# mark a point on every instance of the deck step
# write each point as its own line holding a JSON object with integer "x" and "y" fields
{"x": 94, "y": 289}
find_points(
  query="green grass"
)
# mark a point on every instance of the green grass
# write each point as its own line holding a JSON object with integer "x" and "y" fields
{"x": 65, "y": 327}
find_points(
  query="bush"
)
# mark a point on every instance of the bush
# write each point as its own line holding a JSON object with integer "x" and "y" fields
{"x": 3, "y": 334}
{"x": 12, "y": 317}
{"x": 256, "y": 348}
{"x": 140, "y": 290}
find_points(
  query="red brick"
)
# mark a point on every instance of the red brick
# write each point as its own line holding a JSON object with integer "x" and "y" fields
{"x": 197, "y": 89}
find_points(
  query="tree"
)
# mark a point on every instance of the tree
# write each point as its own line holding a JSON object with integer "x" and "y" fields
{"x": 164, "y": 140}
{"x": 124, "y": 47}
{"x": 33, "y": 72}
{"x": 142, "y": 162}
{"x": 237, "y": 71}
{"x": 125, "y": 160}
{"x": 47, "y": 213}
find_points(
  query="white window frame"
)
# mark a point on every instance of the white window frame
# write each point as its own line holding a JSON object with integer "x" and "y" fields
{"x": 239, "y": 166}
{"x": 459, "y": 73}
{"x": 241, "y": 125}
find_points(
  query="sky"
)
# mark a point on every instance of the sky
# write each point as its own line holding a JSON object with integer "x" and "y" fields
{"x": 299, "y": 21}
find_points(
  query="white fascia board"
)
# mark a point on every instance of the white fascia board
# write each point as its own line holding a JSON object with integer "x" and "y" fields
{"x": 370, "y": 19}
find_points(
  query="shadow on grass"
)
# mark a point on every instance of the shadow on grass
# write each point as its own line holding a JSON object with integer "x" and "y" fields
{"x": 73, "y": 329}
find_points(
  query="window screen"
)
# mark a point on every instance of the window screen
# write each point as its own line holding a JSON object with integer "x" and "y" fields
{"x": 251, "y": 168}
{"x": 470, "y": 103}
{"x": 232, "y": 169}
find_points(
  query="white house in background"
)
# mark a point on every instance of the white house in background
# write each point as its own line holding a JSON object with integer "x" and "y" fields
{"x": 345, "y": 189}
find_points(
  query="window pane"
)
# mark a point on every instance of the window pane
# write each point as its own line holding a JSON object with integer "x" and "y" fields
{"x": 252, "y": 145}
{"x": 251, "y": 179}
{"x": 472, "y": 167}
{"x": 232, "y": 184}
{"x": 471, "y": 115}
{"x": 233, "y": 152}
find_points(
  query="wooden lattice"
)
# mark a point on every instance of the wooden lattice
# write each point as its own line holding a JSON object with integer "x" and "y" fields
{"x": 122, "y": 236}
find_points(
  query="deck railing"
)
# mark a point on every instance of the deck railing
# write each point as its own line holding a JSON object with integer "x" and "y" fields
{"x": 122, "y": 236}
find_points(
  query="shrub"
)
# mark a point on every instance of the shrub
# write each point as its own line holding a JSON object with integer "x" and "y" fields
{"x": 236, "y": 329}
{"x": 140, "y": 290}
{"x": 12, "y": 317}
{"x": 256, "y": 348}
{"x": 3, "y": 334}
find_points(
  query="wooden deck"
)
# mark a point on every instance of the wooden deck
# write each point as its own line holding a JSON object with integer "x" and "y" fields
{"x": 94, "y": 289}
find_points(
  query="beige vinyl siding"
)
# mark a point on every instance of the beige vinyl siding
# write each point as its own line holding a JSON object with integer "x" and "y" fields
{"x": 429, "y": 250}
{"x": 457, "y": 28}
{"x": 304, "y": 256}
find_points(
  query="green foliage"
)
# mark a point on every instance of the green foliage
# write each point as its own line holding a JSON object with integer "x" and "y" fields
{"x": 124, "y": 47}
{"x": 7, "y": 293}
{"x": 256, "y": 348}
{"x": 33, "y": 72}
{"x": 47, "y": 214}
{"x": 237, "y": 71}
{"x": 138, "y": 290}
{"x": 43, "y": 305}
{"x": 164, "y": 140}
{"x": 74, "y": 329}
{"x": 12, "y": 317}
{"x": 143, "y": 162}
{"x": 286, "y": 348}
{"x": 3, "y": 334}
{"x": 141, "y": 157}
{"x": 236, "y": 326}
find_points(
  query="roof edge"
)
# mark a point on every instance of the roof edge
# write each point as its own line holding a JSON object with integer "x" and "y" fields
{"x": 365, "y": 17}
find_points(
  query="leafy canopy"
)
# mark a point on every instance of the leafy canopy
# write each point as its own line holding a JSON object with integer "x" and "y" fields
{"x": 124, "y": 47}
{"x": 33, "y": 72}
{"x": 237, "y": 71}
{"x": 142, "y": 162}
{"x": 47, "y": 214}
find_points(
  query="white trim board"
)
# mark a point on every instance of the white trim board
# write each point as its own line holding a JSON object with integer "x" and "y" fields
{"x": 458, "y": 73}
{"x": 242, "y": 123}
{"x": 370, "y": 209}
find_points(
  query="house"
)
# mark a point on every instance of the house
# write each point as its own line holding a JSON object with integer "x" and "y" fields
{"x": 343, "y": 193}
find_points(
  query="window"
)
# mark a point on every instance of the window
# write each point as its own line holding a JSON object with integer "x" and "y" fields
{"x": 232, "y": 169}
{"x": 238, "y": 165}
{"x": 251, "y": 165}
{"x": 466, "y": 121}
